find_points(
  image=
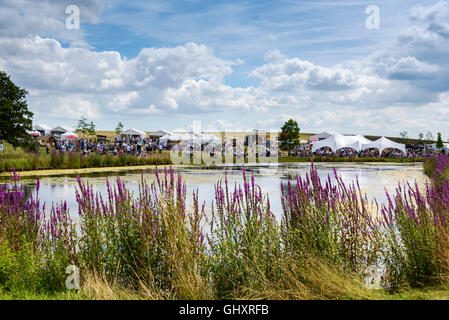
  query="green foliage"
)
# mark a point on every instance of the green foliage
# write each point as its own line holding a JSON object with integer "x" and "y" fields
{"x": 85, "y": 127}
{"x": 439, "y": 141}
{"x": 119, "y": 128}
{"x": 21, "y": 160}
{"x": 15, "y": 118}
{"x": 289, "y": 137}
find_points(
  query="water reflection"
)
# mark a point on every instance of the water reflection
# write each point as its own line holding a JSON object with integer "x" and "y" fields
{"x": 373, "y": 180}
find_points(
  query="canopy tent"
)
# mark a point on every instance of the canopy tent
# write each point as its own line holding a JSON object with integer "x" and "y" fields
{"x": 58, "y": 131}
{"x": 210, "y": 138}
{"x": 69, "y": 135}
{"x": 42, "y": 129}
{"x": 338, "y": 141}
{"x": 159, "y": 133}
{"x": 384, "y": 143}
{"x": 358, "y": 145}
{"x": 185, "y": 137}
{"x": 34, "y": 133}
{"x": 319, "y": 137}
{"x": 191, "y": 137}
{"x": 134, "y": 133}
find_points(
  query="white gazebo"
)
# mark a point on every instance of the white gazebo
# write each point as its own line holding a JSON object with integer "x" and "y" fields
{"x": 134, "y": 133}
{"x": 58, "y": 131}
{"x": 384, "y": 143}
{"x": 184, "y": 137}
{"x": 319, "y": 137}
{"x": 42, "y": 129}
{"x": 69, "y": 135}
{"x": 210, "y": 138}
{"x": 338, "y": 141}
{"x": 159, "y": 133}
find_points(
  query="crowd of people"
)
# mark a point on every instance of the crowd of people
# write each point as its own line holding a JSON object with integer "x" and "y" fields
{"x": 131, "y": 146}
{"x": 138, "y": 146}
{"x": 215, "y": 150}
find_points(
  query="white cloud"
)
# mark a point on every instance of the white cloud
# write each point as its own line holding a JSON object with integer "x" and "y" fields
{"x": 403, "y": 87}
{"x": 22, "y": 18}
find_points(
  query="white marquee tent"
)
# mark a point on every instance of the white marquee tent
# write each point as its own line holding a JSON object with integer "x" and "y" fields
{"x": 210, "y": 138}
{"x": 61, "y": 130}
{"x": 384, "y": 143}
{"x": 185, "y": 137}
{"x": 69, "y": 135}
{"x": 190, "y": 137}
{"x": 134, "y": 133}
{"x": 338, "y": 141}
{"x": 159, "y": 133}
{"x": 42, "y": 129}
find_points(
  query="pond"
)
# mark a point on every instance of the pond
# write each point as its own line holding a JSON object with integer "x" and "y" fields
{"x": 373, "y": 178}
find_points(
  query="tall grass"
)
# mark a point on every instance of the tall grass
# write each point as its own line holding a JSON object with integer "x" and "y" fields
{"x": 418, "y": 229}
{"x": 23, "y": 161}
{"x": 331, "y": 221}
{"x": 150, "y": 241}
{"x": 153, "y": 245}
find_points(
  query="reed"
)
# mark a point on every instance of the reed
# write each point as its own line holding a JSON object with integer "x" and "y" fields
{"x": 152, "y": 245}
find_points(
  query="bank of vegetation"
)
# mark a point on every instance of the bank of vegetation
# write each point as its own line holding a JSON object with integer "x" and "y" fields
{"x": 21, "y": 160}
{"x": 329, "y": 244}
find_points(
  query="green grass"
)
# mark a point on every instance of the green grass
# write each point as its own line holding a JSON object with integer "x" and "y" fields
{"x": 20, "y": 160}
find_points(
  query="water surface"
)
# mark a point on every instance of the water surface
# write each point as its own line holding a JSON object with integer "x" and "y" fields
{"x": 373, "y": 178}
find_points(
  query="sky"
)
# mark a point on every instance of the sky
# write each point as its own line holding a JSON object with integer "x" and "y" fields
{"x": 233, "y": 65}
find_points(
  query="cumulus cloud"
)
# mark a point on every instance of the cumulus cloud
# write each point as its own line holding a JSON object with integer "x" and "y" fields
{"x": 394, "y": 87}
{"x": 22, "y": 18}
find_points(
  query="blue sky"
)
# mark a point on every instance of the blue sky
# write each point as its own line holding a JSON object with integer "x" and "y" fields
{"x": 232, "y": 64}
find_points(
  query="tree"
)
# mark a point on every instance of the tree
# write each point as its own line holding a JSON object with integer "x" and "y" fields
{"x": 403, "y": 134}
{"x": 429, "y": 136}
{"x": 15, "y": 118}
{"x": 85, "y": 128}
{"x": 421, "y": 136}
{"x": 440, "y": 143}
{"x": 289, "y": 137}
{"x": 119, "y": 128}
{"x": 91, "y": 129}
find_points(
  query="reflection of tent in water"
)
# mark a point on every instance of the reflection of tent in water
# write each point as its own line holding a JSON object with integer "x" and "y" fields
{"x": 384, "y": 143}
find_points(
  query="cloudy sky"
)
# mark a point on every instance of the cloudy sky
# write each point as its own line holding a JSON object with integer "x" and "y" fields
{"x": 232, "y": 64}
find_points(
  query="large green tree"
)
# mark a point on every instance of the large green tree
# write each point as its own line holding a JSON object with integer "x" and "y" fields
{"x": 85, "y": 127}
{"x": 289, "y": 137}
{"x": 15, "y": 118}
